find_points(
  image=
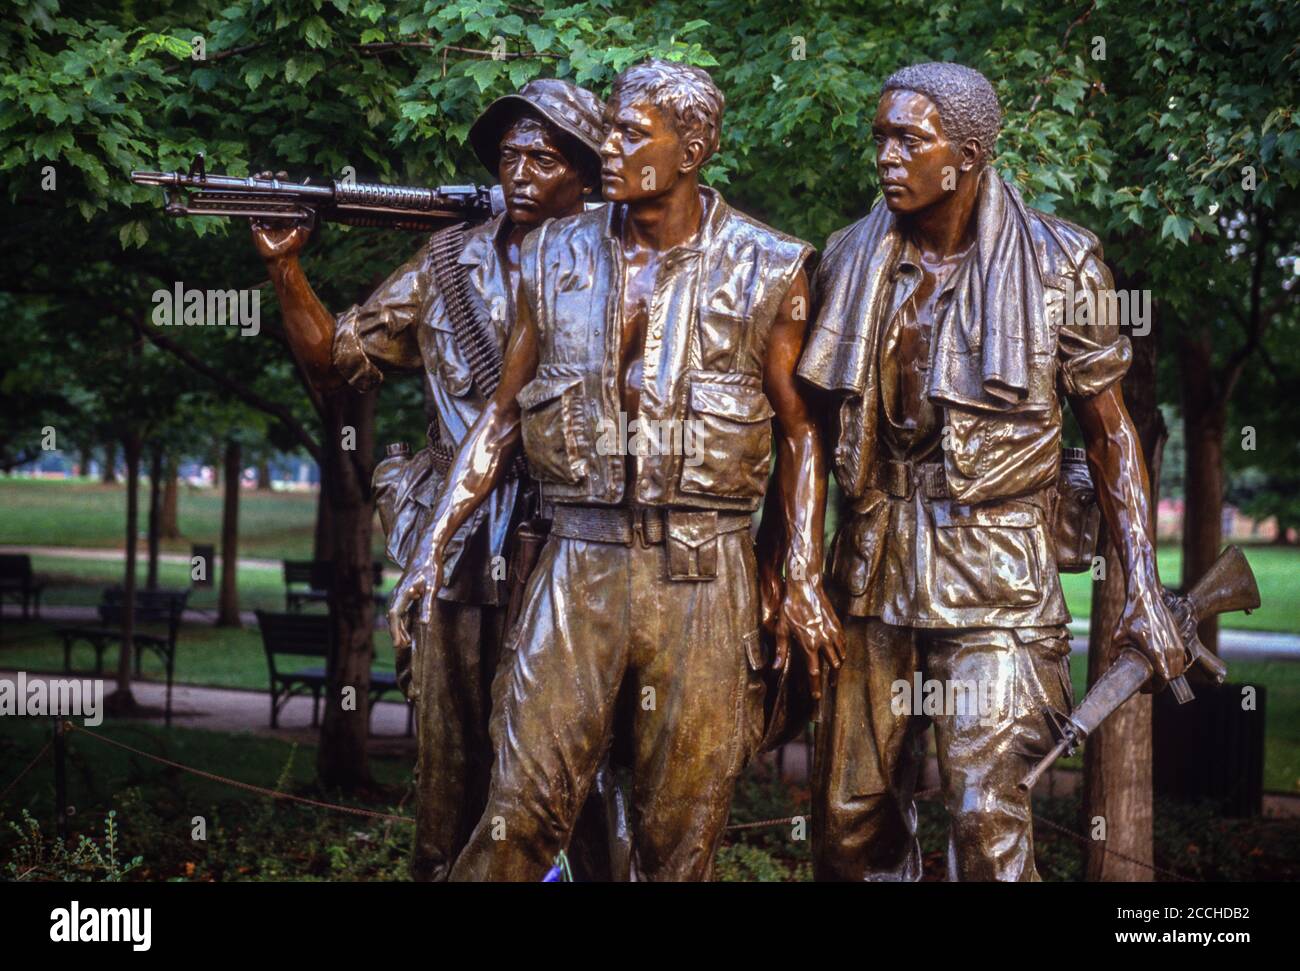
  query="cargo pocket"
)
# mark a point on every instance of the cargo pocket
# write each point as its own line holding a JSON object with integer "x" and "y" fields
{"x": 1047, "y": 654}
{"x": 981, "y": 564}
{"x": 858, "y": 548}
{"x": 729, "y": 436}
{"x": 549, "y": 426}
{"x": 692, "y": 544}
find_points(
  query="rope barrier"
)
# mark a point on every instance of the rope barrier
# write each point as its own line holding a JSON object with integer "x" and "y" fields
{"x": 926, "y": 794}
{"x": 1123, "y": 856}
{"x": 390, "y": 817}
{"x": 260, "y": 790}
{"x": 39, "y": 755}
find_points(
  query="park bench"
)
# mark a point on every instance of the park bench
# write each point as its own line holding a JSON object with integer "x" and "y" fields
{"x": 310, "y": 635}
{"x": 308, "y": 581}
{"x": 157, "y": 622}
{"x": 19, "y": 583}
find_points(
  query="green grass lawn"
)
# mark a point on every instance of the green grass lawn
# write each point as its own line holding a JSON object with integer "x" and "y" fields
{"x": 227, "y": 658}
{"x": 79, "y": 582}
{"x": 1276, "y": 569}
{"x": 71, "y": 512}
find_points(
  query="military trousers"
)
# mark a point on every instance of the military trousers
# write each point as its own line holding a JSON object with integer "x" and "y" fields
{"x": 452, "y": 670}
{"x": 984, "y": 691}
{"x": 606, "y": 639}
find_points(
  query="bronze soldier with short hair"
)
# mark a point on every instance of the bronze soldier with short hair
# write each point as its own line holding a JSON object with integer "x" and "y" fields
{"x": 665, "y": 310}
{"x": 949, "y": 321}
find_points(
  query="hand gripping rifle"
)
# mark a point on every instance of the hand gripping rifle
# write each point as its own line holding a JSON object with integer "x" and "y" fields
{"x": 1228, "y": 585}
{"x": 353, "y": 203}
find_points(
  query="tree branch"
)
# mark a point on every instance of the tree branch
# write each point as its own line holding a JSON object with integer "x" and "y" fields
{"x": 1068, "y": 30}
{"x": 251, "y": 398}
{"x": 375, "y": 47}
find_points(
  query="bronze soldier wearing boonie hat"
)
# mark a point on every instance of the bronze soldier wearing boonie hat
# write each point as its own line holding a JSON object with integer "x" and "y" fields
{"x": 445, "y": 313}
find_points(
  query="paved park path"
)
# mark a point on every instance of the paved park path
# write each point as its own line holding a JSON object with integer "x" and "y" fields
{"x": 235, "y": 710}
{"x": 119, "y": 556}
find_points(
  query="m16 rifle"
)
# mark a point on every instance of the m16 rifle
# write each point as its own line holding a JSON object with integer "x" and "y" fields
{"x": 352, "y": 203}
{"x": 1228, "y": 585}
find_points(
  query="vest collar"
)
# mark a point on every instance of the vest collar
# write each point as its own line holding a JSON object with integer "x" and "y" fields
{"x": 480, "y": 240}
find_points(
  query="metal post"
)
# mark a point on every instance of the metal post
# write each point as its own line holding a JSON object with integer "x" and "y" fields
{"x": 60, "y": 779}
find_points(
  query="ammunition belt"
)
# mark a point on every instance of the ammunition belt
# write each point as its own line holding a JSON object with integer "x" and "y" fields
{"x": 474, "y": 336}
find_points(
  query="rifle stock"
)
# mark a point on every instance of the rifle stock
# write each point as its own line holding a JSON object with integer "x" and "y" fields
{"x": 1228, "y": 585}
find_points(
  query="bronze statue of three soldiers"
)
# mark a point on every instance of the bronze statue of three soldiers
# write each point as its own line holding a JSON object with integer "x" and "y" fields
{"x": 648, "y": 659}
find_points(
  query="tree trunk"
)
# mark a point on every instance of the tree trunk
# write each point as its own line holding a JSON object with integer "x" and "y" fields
{"x": 264, "y": 475}
{"x": 1117, "y": 756}
{"x": 1204, "y": 420}
{"x": 228, "y": 604}
{"x": 83, "y": 461}
{"x": 323, "y": 545}
{"x": 109, "y": 474}
{"x": 342, "y": 760}
{"x": 122, "y": 699}
{"x": 155, "y": 513}
{"x": 170, "y": 522}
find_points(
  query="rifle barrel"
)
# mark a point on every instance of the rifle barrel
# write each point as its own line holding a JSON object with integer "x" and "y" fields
{"x": 417, "y": 208}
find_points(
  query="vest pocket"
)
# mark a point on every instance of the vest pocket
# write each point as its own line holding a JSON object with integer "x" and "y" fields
{"x": 730, "y": 435}
{"x": 987, "y": 566}
{"x": 549, "y": 426}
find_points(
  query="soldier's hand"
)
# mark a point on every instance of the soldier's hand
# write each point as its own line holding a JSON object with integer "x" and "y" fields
{"x": 278, "y": 240}
{"x": 419, "y": 585}
{"x": 1148, "y": 625}
{"x": 807, "y": 616}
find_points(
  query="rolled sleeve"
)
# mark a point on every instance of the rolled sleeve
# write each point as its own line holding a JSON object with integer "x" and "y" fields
{"x": 1091, "y": 353}
{"x": 379, "y": 335}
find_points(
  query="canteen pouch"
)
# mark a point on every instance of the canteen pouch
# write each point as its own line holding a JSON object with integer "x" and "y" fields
{"x": 691, "y": 538}
{"x": 1076, "y": 517}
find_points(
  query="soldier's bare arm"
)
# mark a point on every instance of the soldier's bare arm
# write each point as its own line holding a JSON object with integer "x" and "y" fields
{"x": 308, "y": 325}
{"x": 480, "y": 464}
{"x": 806, "y": 613}
{"x": 1123, "y": 491}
